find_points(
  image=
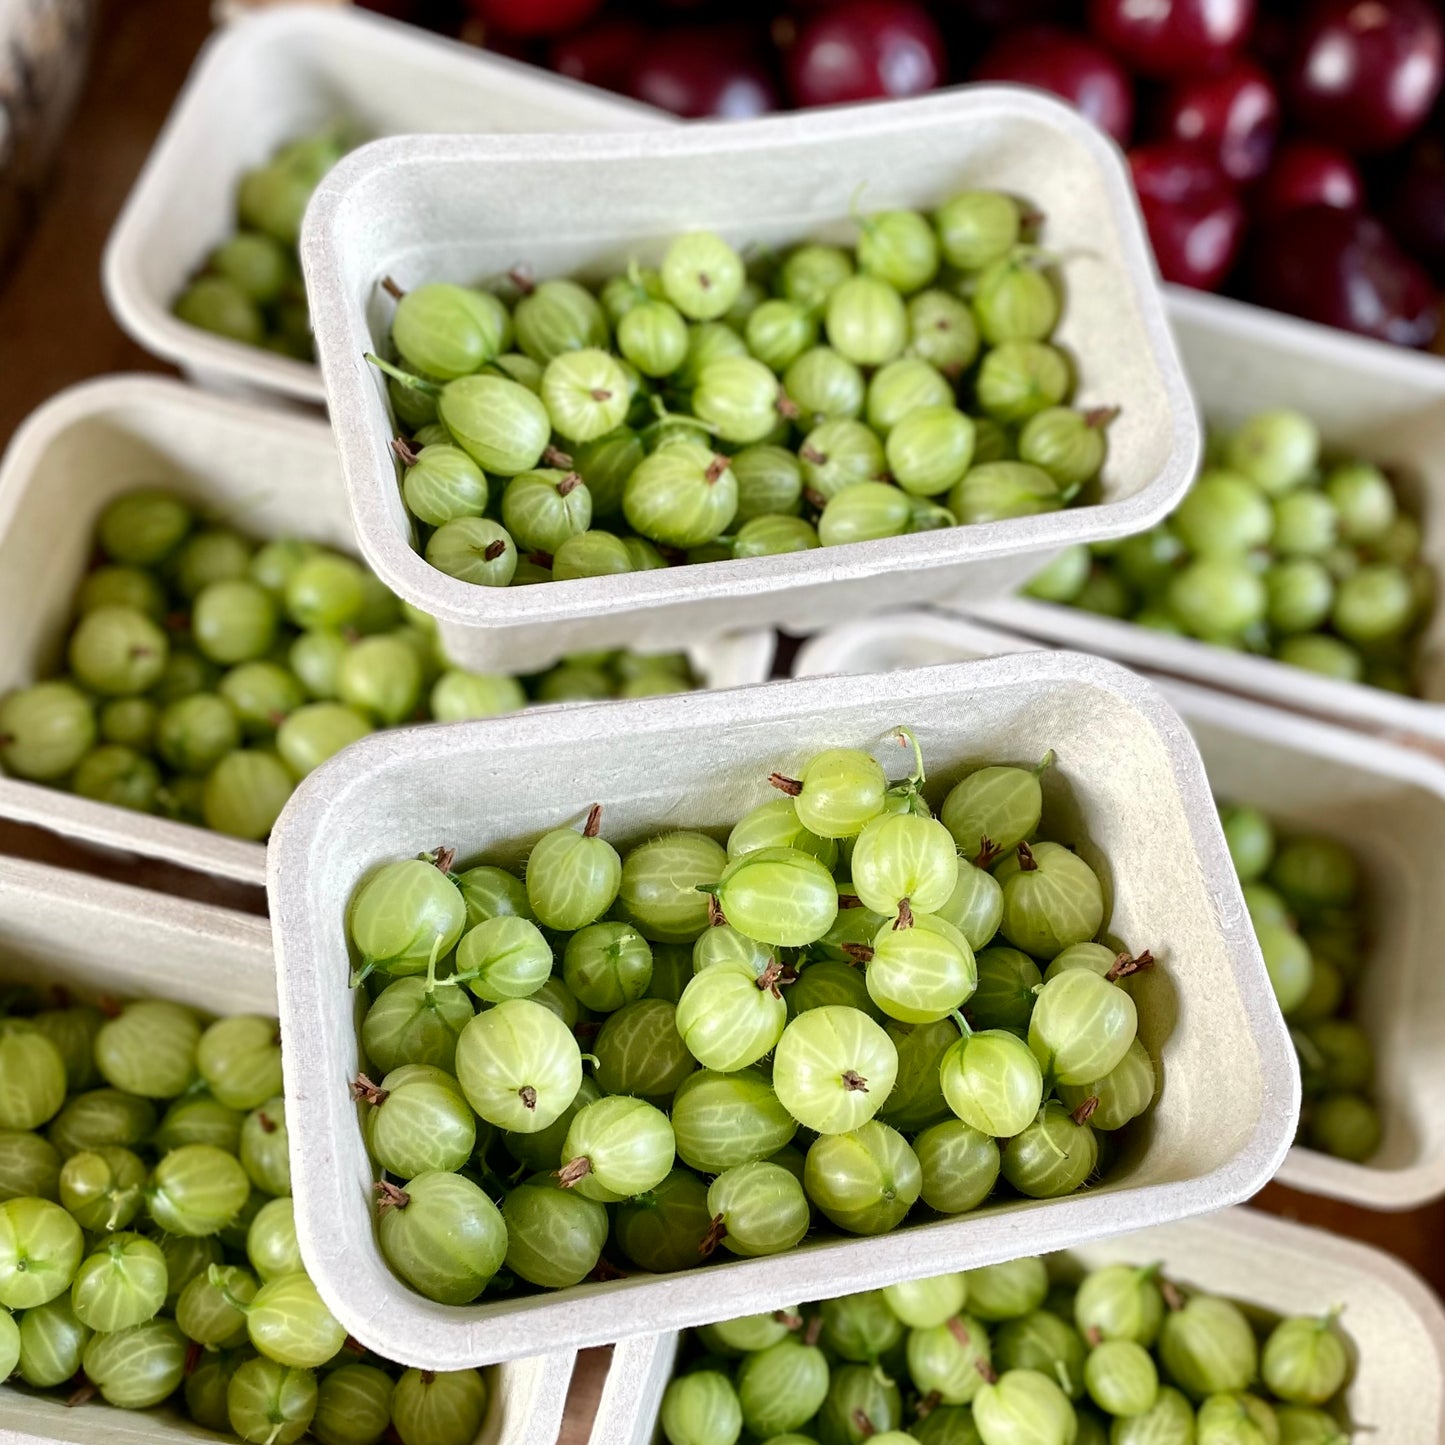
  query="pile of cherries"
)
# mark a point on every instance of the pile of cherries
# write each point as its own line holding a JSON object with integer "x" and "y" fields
{"x": 1290, "y": 152}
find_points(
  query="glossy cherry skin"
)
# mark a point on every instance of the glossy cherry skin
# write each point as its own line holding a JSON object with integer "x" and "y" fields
{"x": 1415, "y": 206}
{"x": 1364, "y": 73}
{"x": 1343, "y": 269}
{"x": 864, "y": 50}
{"x": 1307, "y": 173}
{"x": 1068, "y": 65}
{"x": 1194, "y": 215}
{"x": 601, "y": 53}
{"x": 1168, "y": 38}
{"x": 698, "y": 71}
{"x": 1234, "y": 115}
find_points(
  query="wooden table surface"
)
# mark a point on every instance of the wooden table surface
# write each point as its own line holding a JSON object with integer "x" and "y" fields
{"x": 55, "y": 330}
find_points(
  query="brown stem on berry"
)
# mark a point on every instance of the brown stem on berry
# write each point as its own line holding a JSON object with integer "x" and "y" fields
{"x": 959, "y": 1331}
{"x": 787, "y": 406}
{"x": 863, "y": 1425}
{"x": 593, "y": 826}
{"x": 600, "y": 393}
{"x": 715, "y": 918}
{"x": 391, "y": 288}
{"x": 570, "y": 1174}
{"x": 714, "y": 1235}
{"x": 402, "y": 451}
{"x": 813, "y": 455}
{"x": 365, "y": 1092}
{"x": 1171, "y": 1294}
{"x": 905, "y": 915}
{"x": 428, "y": 1377}
{"x": 569, "y": 484}
{"x": 528, "y": 1095}
{"x": 389, "y": 1196}
{"x": 784, "y": 784}
{"x": 858, "y": 952}
{"x": 108, "y": 1005}
{"x": 854, "y": 1082}
{"x": 353, "y": 1346}
{"x": 442, "y": 859}
{"x": 540, "y": 559}
{"x": 673, "y": 556}
{"x": 605, "y": 1270}
{"x": 1124, "y": 965}
{"x": 494, "y": 550}
{"x": 521, "y": 277}
{"x": 82, "y": 1393}
{"x": 987, "y": 1371}
{"x": 814, "y": 498}
{"x": 1026, "y": 858}
{"x": 554, "y": 457}
{"x": 1095, "y": 1336}
{"x": 1085, "y": 1111}
{"x": 988, "y": 852}
{"x": 268, "y": 1124}
{"x": 814, "y": 1331}
{"x": 1100, "y": 416}
{"x": 715, "y": 468}
{"x": 849, "y": 900}
{"x": 929, "y": 1403}
{"x": 769, "y": 979}
{"x": 792, "y": 1321}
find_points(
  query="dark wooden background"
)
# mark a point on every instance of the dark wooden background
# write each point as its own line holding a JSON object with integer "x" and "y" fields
{"x": 55, "y": 330}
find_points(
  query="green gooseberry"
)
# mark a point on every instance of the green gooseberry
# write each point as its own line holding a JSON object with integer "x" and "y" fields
{"x": 45, "y": 730}
{"x": 1217, "y": 598}
{"x": 1224, "y": 515}
{"x": 1364, "y": 501}
{"x": 439, "y": 1407}
{"x": 326, "y": 590}
{"x": 1019, "y": 379}
{"x": 929, "y": 450}
{"x": 117, "y": 652}
{"x": 1327, "y": 656}
{"x": 1208, "y": 1348}
{"x": 138, "y": 1367}
{"x": 653, "y": 336}
{"x": 864, "y": 1181}
{"x": 586, "y": 394}
{"x": 116, "y": 586}
{"x": 591, "y": 554}
{"x": 442, "y": 1235}
{"x": 810, "y": 272}
{"x": 1063, "y": 579}
{"x": 683, "y": 496}
{"x": 442, "y": 483}
{"x": 737, "y": 397}
{"x": 1346, "y": 1126}
{"x": 862, "y": 1403}
{"x": 942, "y": 331}
{"x": 1305, "y": 1360}
{"x": 993, "y": 1082}
{"x": 997, "y": 491}
{"x": 119, "y": 776}
{"x": 449, "y": 331}
{"x": 1025, "y": 1405}
{"x": 824, "y": 385}
{"x": 1373, "y": 605}
{"x": 769, "y": 480}
{"x": 837, "y": 453}
{"x": 458, "y": 695}
{"x": 1305, "y": 524}
{"x": 217, "y": 304}
{"x": 1069, "y": 445}
{"x": 475, "y": 550}
{"x": 1054, "y": 1155}
{"x": 865, "y": 321}
{"x": 1301, "y": 594}
{"x": 898, "y": 247}
{"x": 977, "y": 228}
{"x": 30, "y": 1165}
{"x": 862, "y": 512}
{"x": 779, "y": 331}
{"x": 702, "y": 275}
{"x": 950, "y": 1359}
{"x": 773, "y": 536}
{"x": 353, "y": 1406}
{"x": 51, "y": 1343}
{"x": 1014, "y": 300}
{"x": 1121, "y": 1377}
{"x": 556, "y": 316}
{"x": 1235, "y": 1419}
{"x": 1277, "y": 450}
{"x": 701, "y": 1408}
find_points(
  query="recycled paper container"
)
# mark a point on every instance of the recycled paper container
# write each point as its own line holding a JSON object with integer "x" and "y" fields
{"x": 1380, "y": 402}
{"x": 96, "y": 937}
{"x": 272, "y": 77}
{"x": 1386, "y": 802}
{"x": 270, "y": 472}
{"x": 1136, "y": 797}
{"x": 1394, "y": 1323}
{"x": 465, "y": 208}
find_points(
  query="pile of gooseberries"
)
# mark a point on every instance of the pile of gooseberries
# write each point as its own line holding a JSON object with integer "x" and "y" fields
{"x": 713, "y": 409}
{"x": 249, "y": 288}
{"x": 1277, "y": 549}
{"x": 147, "y": 1242}
{"x": 848, "y": 1012}
{"x": 1303, "y": 895}
{"x": 208, "y": 673}
{"x": 1014, "y": 1354}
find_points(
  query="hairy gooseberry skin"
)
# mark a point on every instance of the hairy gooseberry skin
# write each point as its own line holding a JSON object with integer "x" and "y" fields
{"x": 992, "y": 1082}
{"x": 540, "y": 1215}
{"x": 446, "y": 1240}
{"x": 439, "y": 1407}
{"x": 139, "y": 1367}
{"x": 572, "y": 878}
{"x": 1048, "y": 906}
{"x": 833, "y": 1069}
{"x": 701, "y": 1409}
{"x": 518, "y": 1065}
{"x": 723, "y": 1120}
{"x": 1208, "y": 1348}
{"x": 959, "y": 1166}
{"x": 1052, "y": 1156}
{"x": 865, "y": 1181}
{"x": 761, "y": 1206}
{"x": 780, "y": 896}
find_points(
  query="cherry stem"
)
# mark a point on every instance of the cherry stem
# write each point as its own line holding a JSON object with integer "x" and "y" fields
{"x": 1026, "y": 859}
{"x": 390, "y": 1196}
{"x": 365, "y": 1092}
{"x": 594, "y": 821}
{"x": 854, "y": 1082}
{"x": 1124, "y": 965}
{"x": 403, "y": 452}
{"x": 416, "y": 383}
{"x": 715, "y": 1234}
{"x": 391, "y": 288}
{"x": 571, "y": 1173}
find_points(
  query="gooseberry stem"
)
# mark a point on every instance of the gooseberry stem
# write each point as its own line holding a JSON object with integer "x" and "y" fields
{"x": 403, "y": 452}
{"x": 1100, "y": 416}
{"x": 528, "y": 1095}
{"x": 814, "y": 1330}
{"x": 714, "y": 1235}
{"x": 964, "y": 1027}
{"x": 929, "y": 1403}
{"x": 216, "y": 1276}
{"x": 1085, "y": 1111}
{"x": 571, "y": 1173}
{"x": 390, "y": 1196}
{"x": 959, "y": 1331}
{"x": 1026, "y": 859}
{"x": 593, "y": 824}
{"x": 791, "y": 786}
{"x": 988, "y": 853}
{"x": 858, "y": 952}
{"x": 1124, "y": 965}
{"x": 1044, "y": 764}
{"x": 905, "y": 916}
{"x": 364, "y": 1092}
{"x": 907, "y": 739}
{"x": 863, "y": 1425}
{"x": 555, "y": 457}
{"x": 416, "y": 383}
{"x": 1171, "y": 1294}
{"x": 854, "y": 1082}
{"x": 391, "y": 288}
